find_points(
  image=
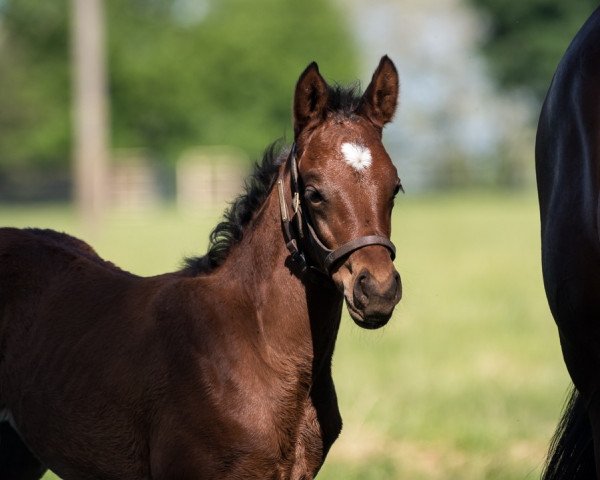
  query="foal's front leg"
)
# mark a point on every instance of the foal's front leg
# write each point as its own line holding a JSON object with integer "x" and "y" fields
{"x": 320, "y": 426}
{"x": 308, "y": 454}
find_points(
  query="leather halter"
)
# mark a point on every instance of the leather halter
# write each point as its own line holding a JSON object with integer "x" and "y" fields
{"x": 293, "y": 230}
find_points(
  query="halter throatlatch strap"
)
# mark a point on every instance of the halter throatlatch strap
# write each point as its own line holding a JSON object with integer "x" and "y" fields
{"x": 326, "y": 257}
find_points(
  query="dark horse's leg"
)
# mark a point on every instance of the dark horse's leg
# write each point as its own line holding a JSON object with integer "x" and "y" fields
{"x": 16, "y": 461}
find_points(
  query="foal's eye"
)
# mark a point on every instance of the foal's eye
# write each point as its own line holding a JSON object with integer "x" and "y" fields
{"x": 398, "y": 188}
{"x": 313, "y": 196}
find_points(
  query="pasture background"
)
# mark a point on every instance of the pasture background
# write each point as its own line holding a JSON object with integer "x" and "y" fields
{"x": 466, "y": 382}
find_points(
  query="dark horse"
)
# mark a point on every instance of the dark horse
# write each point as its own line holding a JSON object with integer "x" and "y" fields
{"x": 221, "y": 370}
{"x": 568, "y": 176}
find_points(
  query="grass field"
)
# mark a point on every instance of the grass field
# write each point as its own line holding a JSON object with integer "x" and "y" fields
{"x": 467, "y": 380}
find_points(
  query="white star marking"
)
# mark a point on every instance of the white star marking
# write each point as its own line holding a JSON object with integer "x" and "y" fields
{"x": 357, "y": 156}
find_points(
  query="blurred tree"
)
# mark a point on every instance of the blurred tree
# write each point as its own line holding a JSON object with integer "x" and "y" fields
{"x": 34, "y": 80}
{"x": 527, "y": 38}
{"x": 181, "y": 72}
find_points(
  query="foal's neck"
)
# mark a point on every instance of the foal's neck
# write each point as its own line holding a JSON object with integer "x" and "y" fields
{"x": 296, "y": 318}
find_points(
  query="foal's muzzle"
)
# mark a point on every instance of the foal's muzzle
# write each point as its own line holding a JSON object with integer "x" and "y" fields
{"x": 372, "y": 300}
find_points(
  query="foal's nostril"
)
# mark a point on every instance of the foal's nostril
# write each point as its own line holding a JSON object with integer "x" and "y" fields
{"x": 375, "y": 298}
{"x": 398, "y": 285}
{"x": 361, "y": 296}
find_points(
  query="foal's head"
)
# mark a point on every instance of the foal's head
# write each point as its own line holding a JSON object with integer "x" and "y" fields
{"x": 348, "y": 183}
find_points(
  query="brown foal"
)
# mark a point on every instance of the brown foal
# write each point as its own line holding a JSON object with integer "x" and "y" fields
{"x": 221, "y": 370}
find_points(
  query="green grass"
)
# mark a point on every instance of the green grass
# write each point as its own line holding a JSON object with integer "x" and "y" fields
{"x": 467, "y": 380}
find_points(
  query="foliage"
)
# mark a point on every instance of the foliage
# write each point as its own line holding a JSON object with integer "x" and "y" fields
{"x": 34, "y": 78}
{"x": 181, "y": 72}
{"x": 526, "y": 38}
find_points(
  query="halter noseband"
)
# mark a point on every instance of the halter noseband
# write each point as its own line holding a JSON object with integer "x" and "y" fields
{"x": 325, "y": 257}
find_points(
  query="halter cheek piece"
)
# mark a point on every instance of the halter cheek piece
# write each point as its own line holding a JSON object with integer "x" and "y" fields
{"x": 325, "y": 257}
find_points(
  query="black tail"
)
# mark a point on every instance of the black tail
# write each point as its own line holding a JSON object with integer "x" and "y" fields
{"x": 571, "y": 454}
{"x": 16, "y": 461}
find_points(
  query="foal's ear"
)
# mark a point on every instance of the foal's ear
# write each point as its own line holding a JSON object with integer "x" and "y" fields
{"x": 310, "y": 99}
{"x": 379, "y": 101}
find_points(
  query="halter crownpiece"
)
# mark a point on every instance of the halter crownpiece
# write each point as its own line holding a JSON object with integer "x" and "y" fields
{"x": 325, "y": 257}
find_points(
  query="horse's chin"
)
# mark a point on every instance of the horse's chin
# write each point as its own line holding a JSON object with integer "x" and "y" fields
{"x": 366, "y": 322}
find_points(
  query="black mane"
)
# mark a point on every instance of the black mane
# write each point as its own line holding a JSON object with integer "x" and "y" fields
{"x": 230, "y": 230}
{"x": 342, "y": 101}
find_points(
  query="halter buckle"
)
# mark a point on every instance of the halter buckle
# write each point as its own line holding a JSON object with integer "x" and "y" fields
{"x": 282, "y": 205}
